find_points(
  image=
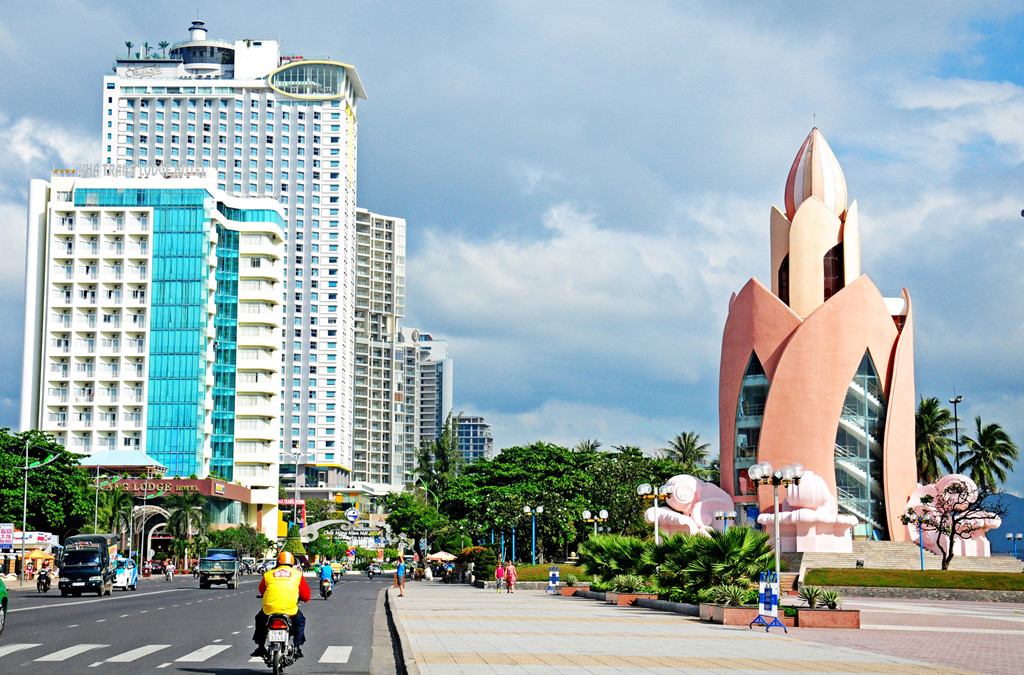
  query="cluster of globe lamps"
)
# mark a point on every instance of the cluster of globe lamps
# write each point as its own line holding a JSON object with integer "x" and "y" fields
{"x": 762, "y": 474}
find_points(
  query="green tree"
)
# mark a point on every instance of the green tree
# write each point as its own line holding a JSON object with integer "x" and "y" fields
{"x": 164, "y": 44}
{"x": 187, "y": 513}
{"x": 293, "y": 543}
{"x": 934, "y": 434}
{"x": 117, "y": 507}
{"x": 321, "y": 509}
{"x": 129, "y": 44}
{"x": 989, "y": 455}
{"x": 439, "y": 462}
{"x": 60, "y": 494}
{"x": 247, "y": 540}
{"x": 412, "y": 515}
{"x": 687, "y": 450}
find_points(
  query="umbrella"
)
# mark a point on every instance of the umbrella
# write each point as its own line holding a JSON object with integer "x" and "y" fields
{"x": 441, "y": 555}
{"x": 37, "y": 554}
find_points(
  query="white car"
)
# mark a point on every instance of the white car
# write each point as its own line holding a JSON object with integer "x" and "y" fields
{"x": 127, "y": 574}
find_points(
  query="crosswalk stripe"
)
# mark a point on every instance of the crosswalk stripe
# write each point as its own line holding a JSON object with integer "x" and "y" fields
{"x": 69, "y": 652}
{"x": 16, "y": 647}
{"x": 336, "y": 655}
{"x": 256, "y": 659}
{"x": 130, "y": 656}
{"x": 203, "y": 653}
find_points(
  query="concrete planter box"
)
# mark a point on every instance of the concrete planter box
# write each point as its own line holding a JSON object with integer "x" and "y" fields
{"x": 704, "y": 610}
{"x": 828, "y": 618}
{"x": 741, "y": 616}
{"x": 569, "y": 591}
{"x": 626, "y": 599}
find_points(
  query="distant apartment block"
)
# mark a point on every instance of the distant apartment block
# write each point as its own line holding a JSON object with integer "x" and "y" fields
{"x": 475, "y": 439}
{"x": 436, "y": 382}
{"x": 153, "y": 321}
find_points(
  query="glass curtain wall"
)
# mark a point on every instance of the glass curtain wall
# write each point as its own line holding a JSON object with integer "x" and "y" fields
{"x": 749, "y": 416}
{"x": 858, "y": 451}
{"x": 225, "y": 348}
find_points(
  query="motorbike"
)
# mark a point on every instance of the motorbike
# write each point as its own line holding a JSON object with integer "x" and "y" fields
{"x": 169, "y": 573}
{"x": 369, "y": 573}
{"x": 43, "y": 582}
{"x": 280, "y": 644}
{"x": 326, "y": 588}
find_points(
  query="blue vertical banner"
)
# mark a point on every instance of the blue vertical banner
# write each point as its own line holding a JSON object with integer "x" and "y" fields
{"x": 768, "y": 603}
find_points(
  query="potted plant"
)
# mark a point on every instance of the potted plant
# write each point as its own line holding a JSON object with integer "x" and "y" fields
{"x": 627, "y": 588}
{"x": 830, "y": 616}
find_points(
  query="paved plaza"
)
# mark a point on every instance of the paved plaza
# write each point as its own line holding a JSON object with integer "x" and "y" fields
{"x": 461, "y": 629}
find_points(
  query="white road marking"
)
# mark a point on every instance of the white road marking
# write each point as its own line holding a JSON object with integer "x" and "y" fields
{"x": 236, "y": 632}
{"x": 336, "y": 655}
{"x": 69, "y": 652}
{"x": 129, "y": 656}
{"x": 219, "y": 640}
{"x": 100, "y": 620}
{"x": 112, "y": 598}
{"x": 74, "y": 625}
{"x": 144, "y": 611}
{"x": 256, "y": 659}
{"x": 16, "y": 647}
{"x": 163, "y": 665}
{"x": 203, "y": 653}
{"x": 98, "y": 663}
{"x": 122, "y": 616}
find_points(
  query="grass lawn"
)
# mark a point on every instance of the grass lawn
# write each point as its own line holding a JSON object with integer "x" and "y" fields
{"x": 988, "y": 581}
{"x": 540, "y": 572}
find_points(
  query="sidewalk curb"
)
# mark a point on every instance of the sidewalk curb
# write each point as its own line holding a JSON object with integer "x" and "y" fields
{"x": 405, "y": 664}
{"x": 382, "y": 650}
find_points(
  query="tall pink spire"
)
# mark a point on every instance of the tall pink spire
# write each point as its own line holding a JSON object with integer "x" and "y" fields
{"x": 815, "y": 172}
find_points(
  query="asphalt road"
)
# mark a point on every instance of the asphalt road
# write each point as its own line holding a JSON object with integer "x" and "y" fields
{"x": 179, "y": 628}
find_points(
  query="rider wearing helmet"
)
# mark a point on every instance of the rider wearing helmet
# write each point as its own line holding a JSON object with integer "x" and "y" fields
{"x": 282, "y": 588}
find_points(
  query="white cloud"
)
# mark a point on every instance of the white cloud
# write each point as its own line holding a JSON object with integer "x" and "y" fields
{"x": 31, "y": 142}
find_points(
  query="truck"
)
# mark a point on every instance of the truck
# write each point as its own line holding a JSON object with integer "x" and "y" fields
{"x": 220, "y": 566}
{"x": 87, "y": 564}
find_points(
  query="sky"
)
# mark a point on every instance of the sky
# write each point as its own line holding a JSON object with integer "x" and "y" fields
{"x": 587, "y": 183}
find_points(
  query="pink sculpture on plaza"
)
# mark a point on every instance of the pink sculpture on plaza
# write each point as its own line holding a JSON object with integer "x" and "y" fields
{"x": 810, "y": 519}
{"x": 970, "y": 539}
{"x": 690, "y": 507}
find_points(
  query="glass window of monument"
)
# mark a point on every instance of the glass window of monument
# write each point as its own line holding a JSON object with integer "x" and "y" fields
{"x": 858, "y": 451}
{"x": 832, "y": 267}
{"x": 749, "y": 415}
{"x": 784, "y": 280}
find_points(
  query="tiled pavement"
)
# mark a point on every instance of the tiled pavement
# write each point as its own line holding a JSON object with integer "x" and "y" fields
{"x": 461, "y": 629}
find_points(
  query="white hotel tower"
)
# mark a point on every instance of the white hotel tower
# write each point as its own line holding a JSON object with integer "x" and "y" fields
{"x": 152, "y": 324}
{"x": 265, "y": 124}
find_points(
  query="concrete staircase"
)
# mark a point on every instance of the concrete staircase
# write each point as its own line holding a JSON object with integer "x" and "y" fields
{"x": 896, "y": 555}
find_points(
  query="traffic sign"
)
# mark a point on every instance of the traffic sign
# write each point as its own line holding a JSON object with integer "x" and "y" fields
{"x": 352, "y": 514}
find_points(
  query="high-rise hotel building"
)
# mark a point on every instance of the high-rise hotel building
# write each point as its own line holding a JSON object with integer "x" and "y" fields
{"x": 266, "y": 124}
{"x": 153, "y": 321}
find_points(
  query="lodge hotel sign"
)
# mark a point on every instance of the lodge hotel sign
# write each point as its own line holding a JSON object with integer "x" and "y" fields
{"x": 98, "y": 170}
{"x": 205, "y": 486}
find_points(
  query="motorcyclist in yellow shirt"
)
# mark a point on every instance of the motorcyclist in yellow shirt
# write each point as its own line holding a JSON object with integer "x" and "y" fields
{"x": 282, "y": 588}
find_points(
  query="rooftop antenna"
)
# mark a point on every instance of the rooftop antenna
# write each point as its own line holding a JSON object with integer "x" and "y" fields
{"x": 814, "y": 119}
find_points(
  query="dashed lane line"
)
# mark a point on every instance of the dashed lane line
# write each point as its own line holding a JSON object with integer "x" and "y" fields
{"x": 64, "y": 654}
{"x": 16, "y": 647}
{"x": 202, "y": 653}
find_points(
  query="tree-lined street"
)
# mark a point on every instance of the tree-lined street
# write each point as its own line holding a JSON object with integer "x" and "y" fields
{"x": 176, "y": 627}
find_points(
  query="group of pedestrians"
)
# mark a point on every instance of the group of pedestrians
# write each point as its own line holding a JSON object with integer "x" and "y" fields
{"x": 505, "y": 573}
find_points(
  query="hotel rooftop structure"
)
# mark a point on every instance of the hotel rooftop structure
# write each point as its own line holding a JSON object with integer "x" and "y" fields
{"x": 265, "y": 124}
{"x": 153, "y": 322}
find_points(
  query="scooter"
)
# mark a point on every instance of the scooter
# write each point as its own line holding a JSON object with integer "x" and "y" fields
{"x": 369, "y": 573}
{"x": 326, "y": 588}
{"x": 279, "y": 645}
{"x": 43, "y": 582}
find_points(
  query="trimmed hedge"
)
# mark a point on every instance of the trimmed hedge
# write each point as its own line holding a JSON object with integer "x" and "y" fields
{"x": 985, "y": 581}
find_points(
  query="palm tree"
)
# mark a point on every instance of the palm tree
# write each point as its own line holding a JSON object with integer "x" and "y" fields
{"x": 145, "y": 45}
{"x": 119, "y": 505}
{"x": 187, "y": 514}
{"x": 438, "y": 462}
{"x": 129, "y": 44}
{"x": 587, "y": 445}
{"x": 687, "y": 450}
{"x": 989, "y": 455}
{"x": 164, "y": 44}
{"x": 934, "y": 432}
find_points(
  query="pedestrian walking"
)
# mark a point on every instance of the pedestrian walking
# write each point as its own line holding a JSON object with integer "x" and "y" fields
{"x": 400, "y": 577}
{"x": 510, "y": 578}
{"x": 499, "y": 574}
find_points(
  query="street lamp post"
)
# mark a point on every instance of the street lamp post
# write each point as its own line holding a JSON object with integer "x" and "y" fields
{"x": 595, "y": 518}
{"x": 646, "y": 491}
{"x": 533, "y": 512}
{"x": 762, "y": 474}
{"x": 24, "y": 506}
{"x": 295, "y": 507}
{"x": 956, "y": 428}
{"x": 1014, "y": 538}
{"x": 722, "y": 515}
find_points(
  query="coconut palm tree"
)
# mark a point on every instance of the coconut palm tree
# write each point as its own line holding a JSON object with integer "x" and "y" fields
{"x": 687, "y": 450}
{"x": 934, "y": 432}
{"x": 187, "y": 514}
{"x": 989, "y": 455}
{"x": 145, "y": 46}
{"x": 164, "y": 44}
{"x": 587, "y": 445}
{"x": 129, "y": 44}
{"x": 119, "y": 504}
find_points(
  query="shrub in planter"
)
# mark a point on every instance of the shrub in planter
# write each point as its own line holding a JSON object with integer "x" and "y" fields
{"x": 730, "y": 594}
{"x": 571, "y": 580}
{"x": 483, "y": 560}
{"x": 627, "y": 583}
{"x": 811, "y": 595}
{"x": 830, "y": 598}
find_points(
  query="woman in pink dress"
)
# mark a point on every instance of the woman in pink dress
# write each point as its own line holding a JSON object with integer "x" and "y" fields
{"x": 510, "y": 577}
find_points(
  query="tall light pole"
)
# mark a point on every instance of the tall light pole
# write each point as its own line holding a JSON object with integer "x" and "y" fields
{"x": 599, "y": 517}
{"x": 646, "y": 491}
{"x": 533, "y": 512}
{"x": 956, "y": 428}
{"x": 725, "y": 516}
{"x": 295, "y": 509}
{"x": 24, "y": 507}
{"x": 1014, "y": 539}
{"x": 762, "y": 474}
